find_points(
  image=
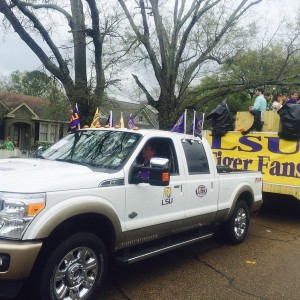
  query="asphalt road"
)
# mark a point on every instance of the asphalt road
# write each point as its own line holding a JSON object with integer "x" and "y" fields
{"x": 265, "y": 266}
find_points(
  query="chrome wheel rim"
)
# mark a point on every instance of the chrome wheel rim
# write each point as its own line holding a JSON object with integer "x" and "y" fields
{"x": 240, "y": 223}
{"x": 75, "y": 275}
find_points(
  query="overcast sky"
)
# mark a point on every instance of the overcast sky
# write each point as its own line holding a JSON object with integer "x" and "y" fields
{"x": 16, "y": 55}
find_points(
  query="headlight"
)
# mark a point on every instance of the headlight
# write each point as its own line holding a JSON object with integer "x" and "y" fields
{"x": 17, "y": 211}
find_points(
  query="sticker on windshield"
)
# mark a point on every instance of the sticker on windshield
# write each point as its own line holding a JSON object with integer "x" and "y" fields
{"x": 131, "y": 141}
{"x": 201, "y": 190}
{"x": 59, "y": 144}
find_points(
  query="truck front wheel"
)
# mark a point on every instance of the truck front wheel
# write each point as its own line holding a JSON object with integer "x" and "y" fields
{"x": 74, "y": 269}
{"x": 236, "y": 228}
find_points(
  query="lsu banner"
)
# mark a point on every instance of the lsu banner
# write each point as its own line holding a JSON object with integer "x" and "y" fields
{"x": 277, "y": 159}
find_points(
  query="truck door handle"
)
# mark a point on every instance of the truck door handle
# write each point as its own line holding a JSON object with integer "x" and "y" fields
{"x": 176, "y": 186}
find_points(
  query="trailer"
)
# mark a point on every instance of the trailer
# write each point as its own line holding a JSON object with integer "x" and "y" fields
{"x": 277, "y": 159}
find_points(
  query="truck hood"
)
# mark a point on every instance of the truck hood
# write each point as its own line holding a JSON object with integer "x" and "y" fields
{"x": 38, "y": 175}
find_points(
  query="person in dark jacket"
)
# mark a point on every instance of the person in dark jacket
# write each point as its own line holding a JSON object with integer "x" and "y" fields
{"x": 147, "y": 153}
{"x": 293, "y": 98}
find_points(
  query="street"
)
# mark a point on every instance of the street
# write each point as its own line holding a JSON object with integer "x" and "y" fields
{"x": 265, "y": 266}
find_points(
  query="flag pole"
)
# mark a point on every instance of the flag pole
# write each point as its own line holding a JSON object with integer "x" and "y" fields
{"x": 194, "y": 123}
{"x": 78, "y": 126}
{"x": 185, "y": 113}
{"x": 122, "y": 120}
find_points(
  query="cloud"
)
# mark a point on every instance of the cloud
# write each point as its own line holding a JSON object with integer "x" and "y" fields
{"x": 16, "y": 55}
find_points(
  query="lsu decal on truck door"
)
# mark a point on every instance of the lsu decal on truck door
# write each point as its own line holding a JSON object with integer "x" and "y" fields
{"x": 153, "y": 205}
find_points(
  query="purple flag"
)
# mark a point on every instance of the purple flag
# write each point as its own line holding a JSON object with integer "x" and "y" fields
{"x": 197, "y": 130}
{"x": 179, "y": 125}
{"x": 109, "y": 120}
{"x": 131, "y": 124}
{"x": 75, "y": 121}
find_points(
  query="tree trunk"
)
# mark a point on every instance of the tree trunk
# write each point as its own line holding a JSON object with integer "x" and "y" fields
{"x": 80, "y": 93}
{"x": 168, "y": 113}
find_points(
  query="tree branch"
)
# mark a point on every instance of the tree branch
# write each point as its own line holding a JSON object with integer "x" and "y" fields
{"x": 202, "y": 57}
{"x": 145, "y": 41}
{"x": 197, "y": 15}
{"x": 63, "y": 73}
{"x": 145, "y": 22}
{"x": 44, "y": 33}
{"x": 53, "y": 7}
{"x": 98, "y": 45}
{"x": 228, "y": 89}
{"x": 150, "y": 99}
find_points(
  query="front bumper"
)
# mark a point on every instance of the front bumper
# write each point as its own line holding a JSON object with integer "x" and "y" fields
{"x": 17, "y": 259}
{"x": 10, "y": 288}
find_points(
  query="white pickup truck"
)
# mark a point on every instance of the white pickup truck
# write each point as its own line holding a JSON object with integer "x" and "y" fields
{"x": 84, "y": 199}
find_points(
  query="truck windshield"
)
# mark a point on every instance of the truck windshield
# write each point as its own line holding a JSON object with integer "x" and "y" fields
{"x": 99, "y": 149}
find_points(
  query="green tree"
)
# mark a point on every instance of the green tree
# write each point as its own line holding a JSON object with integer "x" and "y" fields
{"x": 275, "y": 68}
{"x": 39, "y": 84}
{"x": 33, "y": 83}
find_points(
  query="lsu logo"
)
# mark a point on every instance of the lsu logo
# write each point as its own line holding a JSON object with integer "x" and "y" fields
{"x": 201, "y": 190}
{"x": 167, "y": 196}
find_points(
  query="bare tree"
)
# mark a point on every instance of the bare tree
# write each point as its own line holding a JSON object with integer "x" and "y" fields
{"x": 34, "y": 23}
{"x": 177, "y": 49}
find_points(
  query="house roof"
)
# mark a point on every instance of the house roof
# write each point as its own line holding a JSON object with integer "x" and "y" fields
{"x": 12, "y": 112}
{"x": 137, "y": 109}
{"x": 145, "y": 116}
{"x": 12, "y": 101}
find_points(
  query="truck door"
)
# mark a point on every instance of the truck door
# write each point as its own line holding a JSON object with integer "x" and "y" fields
{"x": 202, "y": 184}
{"x": 156, "y": 209}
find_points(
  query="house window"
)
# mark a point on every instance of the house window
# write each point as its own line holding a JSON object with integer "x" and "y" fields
{"x": 43, "y": 132}
{"x": 53, "y": 132}
{"x": 49, "y": 132}
{"x": 140, "y": 118}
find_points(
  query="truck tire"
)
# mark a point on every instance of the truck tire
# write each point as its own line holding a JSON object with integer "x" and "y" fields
{"x": 74, "y": 269}
{"x": 236, "y": 228}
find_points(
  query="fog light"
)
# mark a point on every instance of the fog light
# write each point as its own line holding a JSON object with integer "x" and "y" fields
{"x": 4, "y": 262}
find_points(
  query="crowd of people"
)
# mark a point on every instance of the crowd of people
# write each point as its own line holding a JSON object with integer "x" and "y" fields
{"x": 264, "y": 101}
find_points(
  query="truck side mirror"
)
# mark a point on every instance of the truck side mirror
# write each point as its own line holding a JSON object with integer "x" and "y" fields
{"x": 157, "y": 174}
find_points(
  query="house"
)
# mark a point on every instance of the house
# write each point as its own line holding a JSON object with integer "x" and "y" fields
{"x": 23, "y": 118}
{"x": 145, "y": 116}
{"x": 26, "y": 119}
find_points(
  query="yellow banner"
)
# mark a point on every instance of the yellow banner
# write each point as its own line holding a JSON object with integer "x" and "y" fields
{"x": 277, "y": 159}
